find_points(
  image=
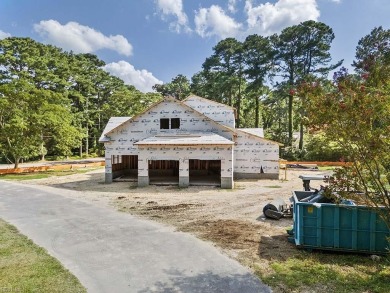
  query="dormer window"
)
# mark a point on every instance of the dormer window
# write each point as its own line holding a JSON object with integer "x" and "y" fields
{"x": 172, "y": 123}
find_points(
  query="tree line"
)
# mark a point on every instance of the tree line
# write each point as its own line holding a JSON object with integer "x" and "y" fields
{"x": 54, "y": 102}
{"x": 57, "y": 103}
{"x": 259, "y": 77}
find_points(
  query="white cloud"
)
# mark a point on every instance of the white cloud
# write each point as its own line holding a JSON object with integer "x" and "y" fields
{"x": 213, "y": 21}
{"x": 4, "y": 35}
{"x": 266, "y": 19}
{"x": 232, "y": 6}
{"x": 263, "y": 19}
{"x": 143, "y": 80}
{"x": 80, "y": 38}
{"x": 175, "y": 8}
{"x": 336, "y": 1}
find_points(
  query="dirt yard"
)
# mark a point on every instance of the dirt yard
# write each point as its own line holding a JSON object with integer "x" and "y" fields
{"x": 231, "y": 219}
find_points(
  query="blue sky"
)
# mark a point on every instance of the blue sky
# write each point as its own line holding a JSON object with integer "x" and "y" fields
{"x": 151, "y": 41}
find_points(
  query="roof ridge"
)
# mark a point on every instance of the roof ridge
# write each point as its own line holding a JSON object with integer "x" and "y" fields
{"x": 136, "y": 116}
{"x": 266, "y": 139}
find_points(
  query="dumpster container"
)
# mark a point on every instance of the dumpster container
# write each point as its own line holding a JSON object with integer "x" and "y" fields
{"x": 338, "y": 227}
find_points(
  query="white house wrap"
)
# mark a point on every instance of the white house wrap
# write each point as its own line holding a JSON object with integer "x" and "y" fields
{"x": 187, "y": 139}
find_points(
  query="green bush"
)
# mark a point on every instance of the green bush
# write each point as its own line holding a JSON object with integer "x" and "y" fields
{"x": 316, "y": 148}
{"x": 319, "y": 148}
{"x": 292, "y": 154}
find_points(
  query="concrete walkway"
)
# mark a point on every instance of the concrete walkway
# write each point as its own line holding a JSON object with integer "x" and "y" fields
{"x": 111, "y": 251}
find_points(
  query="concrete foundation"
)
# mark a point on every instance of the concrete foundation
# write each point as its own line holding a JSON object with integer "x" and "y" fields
{"x": 227, "y": 182}
{"x": 184, "y": 181}
{"x": 256, "y": 175}
{"x": 108, "y": 177}
{"x": 143, "y": 181}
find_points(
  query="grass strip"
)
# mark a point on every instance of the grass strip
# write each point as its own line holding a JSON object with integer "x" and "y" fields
{"x": 26, "y": 267}
{"x": 45, "y": 174}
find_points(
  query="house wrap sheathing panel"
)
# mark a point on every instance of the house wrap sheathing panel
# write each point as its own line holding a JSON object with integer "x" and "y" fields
{"x": 220, "y": 113}
{"x": 123, "y": 137}
{"x": 206, "y": 132}
{"x": 255, "y": 157}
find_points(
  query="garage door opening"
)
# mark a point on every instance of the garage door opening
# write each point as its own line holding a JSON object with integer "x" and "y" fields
{"x": 164, "y": 172}
{"x": 125, "y": 168}
{"x": 205, "y": 172}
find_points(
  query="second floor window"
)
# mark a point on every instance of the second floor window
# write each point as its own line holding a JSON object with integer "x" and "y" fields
{"x": 166, "y": 123}
{"x": 175, "y": 123}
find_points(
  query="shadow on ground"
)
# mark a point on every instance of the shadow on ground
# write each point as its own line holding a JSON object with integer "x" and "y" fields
{"x": 207, "y": 282}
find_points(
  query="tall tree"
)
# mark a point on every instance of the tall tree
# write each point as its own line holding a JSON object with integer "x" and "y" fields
{"x": 43, "y": 66}
{"x": 228, "y": 62}
{"x": 33, "y": 79}
{"x": 128, "y": 101}
{"x": 372, "y": 50}
{"x": 303, "y": 50}
{"x": 179, "y": 87}
{"x": 29, "y": 117}
{"x": 259, "y": 61}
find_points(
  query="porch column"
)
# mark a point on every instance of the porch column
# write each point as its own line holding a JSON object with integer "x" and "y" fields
{"x": 108, "y": 168}
{"x": 184, "y": 178}
{"x": 227, "y": 171}
{"x": 143, "y": 170}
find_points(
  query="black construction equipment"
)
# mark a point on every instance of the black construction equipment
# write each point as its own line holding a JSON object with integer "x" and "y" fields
{"x": 277, "y": 209}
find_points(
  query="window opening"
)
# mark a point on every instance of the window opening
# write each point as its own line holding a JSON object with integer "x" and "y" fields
{"x": 164, "y": 123}
{"x": 175, "y": 123}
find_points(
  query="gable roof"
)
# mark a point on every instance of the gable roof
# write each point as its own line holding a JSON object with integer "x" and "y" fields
{"x": 254, "y": 131}
{"x": 116, "y": 122}
{"x": 253, "y": 134}
{"x": 127, "y": 119}
{"x": 212, "y": 102}
{"x": 113, "y": 123}
{"x": 108, "y": 130}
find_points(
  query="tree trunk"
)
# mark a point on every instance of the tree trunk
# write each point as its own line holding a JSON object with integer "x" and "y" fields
{"x": 257, "y": 112}
{"x": 16, "y": 163}
{"x": 290, "y": 119}
{"x": 87, "y": 143}
{"x": 42, "y": 149}
{"x": 301, "y": 136}
{"x": 238, "y": 108}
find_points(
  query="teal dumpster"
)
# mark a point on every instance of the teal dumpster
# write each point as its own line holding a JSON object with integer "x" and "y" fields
{"x": 329, "y": 226}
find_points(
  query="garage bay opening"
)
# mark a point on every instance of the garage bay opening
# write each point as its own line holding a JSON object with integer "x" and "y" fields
{"x": 125, "y": 168}
{"x": 164, "y": 172}
{"x": 205, "y": 172}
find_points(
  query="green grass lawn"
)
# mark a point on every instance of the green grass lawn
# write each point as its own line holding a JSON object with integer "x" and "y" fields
{"x": 46, "y": 174}
{"x": 327, "y": 168}
{"x": 26, "y": 267}
{"x": 329, "y": 272}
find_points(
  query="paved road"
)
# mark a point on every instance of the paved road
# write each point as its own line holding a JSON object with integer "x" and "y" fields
{"x": 111, "y": 251}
